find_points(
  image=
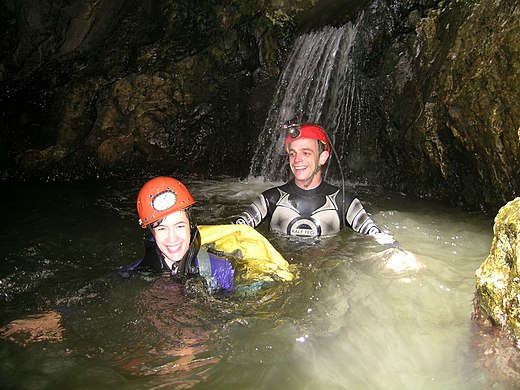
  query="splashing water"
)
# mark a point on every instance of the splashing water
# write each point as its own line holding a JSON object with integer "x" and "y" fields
{"x": 317, "y": 86}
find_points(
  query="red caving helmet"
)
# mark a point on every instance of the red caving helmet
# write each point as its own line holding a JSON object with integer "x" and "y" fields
{"x": 306, "y": 130}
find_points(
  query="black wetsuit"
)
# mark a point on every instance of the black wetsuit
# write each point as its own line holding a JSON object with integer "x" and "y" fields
{"x": 321, "y": 211}
{"x": 217, "y": 270}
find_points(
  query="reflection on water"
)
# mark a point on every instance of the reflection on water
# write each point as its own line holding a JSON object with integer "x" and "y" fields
{"x": 347, "y": 322}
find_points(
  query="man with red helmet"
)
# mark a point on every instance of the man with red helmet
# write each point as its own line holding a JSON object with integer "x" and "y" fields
{"x": 164, "y": 206}
{"x": 307, "y": 206}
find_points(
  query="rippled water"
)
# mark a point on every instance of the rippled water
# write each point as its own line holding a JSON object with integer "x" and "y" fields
{"x": 346, "y": 322}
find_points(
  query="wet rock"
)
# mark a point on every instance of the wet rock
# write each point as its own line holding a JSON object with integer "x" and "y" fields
{"x": 497, "y": 299}
{"x": 446, "y": 79}
{"x": 498, "y": 278}
{"x": 496, "y": 353}
{"x": 476, "y": 135}
{"x": 40, "y": 160}
{"x": 188, "y": 85}
{"x": 116, "y": 150}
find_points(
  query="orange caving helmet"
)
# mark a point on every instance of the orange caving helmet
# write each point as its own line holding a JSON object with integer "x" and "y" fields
{"x": 306, "y": 130}
{"x": 160, "y": 197}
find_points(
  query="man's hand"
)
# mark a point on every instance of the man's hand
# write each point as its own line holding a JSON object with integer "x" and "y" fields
{"x": 383, "y": 238}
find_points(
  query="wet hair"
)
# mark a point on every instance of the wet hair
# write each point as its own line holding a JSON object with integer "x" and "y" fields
{"x": 189, "y": 213}
{"x": 186, "y": 266}
{"x": 321, "y": 147}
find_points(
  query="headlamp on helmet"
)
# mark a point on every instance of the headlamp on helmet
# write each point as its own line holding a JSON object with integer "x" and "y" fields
{"x": 305, "y": 130}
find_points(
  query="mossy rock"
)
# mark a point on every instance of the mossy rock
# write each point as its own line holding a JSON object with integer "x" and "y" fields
{"x": 498, "y": 278}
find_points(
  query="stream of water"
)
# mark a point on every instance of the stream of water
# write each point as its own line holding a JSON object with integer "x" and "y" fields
{"x": 348, "y": 321}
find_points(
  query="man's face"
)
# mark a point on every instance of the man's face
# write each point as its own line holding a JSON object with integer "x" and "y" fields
{"x": 305, "y": 162}
{"x": 172, "y": 235}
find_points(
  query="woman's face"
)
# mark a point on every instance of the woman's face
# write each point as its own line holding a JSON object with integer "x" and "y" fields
{"x": 172, "y": 235}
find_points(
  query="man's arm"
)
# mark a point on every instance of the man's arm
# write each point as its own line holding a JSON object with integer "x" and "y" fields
{"x": 360, "y": 221}
{"x": 254, "y": 214}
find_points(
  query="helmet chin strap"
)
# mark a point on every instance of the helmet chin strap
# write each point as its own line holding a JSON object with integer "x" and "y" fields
{"x": 187, "y": 263}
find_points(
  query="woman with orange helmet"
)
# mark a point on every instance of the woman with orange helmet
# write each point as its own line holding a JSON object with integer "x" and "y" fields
{"x": 164, "y": 206}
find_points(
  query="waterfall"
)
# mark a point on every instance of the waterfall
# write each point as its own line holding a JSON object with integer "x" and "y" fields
{"x": 316, "y": 85}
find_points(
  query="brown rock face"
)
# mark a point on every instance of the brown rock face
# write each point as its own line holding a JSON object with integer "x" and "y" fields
{"x": 497, "y": 299}
{"x": 116, "y": 86}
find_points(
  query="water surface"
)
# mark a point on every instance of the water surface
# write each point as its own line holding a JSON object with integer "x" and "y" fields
{"x": 346, "y": 322}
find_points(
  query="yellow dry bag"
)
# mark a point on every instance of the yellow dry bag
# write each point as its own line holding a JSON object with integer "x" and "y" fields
{"x": 261, "y": 260}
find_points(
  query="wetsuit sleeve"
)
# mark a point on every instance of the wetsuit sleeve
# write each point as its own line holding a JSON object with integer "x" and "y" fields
{"x": 150, "y": 262}
{"x": 255, "y": 213}
{"x": 359, "y": 220}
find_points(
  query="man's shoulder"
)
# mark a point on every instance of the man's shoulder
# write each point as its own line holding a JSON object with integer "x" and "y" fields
{"x": 274, "y": 192}
{"x": 328, "y": 187}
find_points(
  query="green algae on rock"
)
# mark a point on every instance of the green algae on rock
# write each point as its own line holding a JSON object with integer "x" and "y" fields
{"x": 498, "y": 278}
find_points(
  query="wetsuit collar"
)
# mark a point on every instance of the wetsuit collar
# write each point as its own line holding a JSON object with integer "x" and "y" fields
{"x": 154, "y": 259}
{"x": 304, "y": 192}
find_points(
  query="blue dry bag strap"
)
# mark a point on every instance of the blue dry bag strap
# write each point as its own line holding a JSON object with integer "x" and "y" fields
{"x": 205, "y": 266}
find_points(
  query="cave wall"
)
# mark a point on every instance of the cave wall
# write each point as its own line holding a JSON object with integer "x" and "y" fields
{"x": 114, "y": 87}
{"x": 438, "y": 101}
{"x": 455, "y": 102}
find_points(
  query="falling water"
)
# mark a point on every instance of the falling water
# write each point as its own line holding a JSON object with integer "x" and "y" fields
{"x": 317, "y": 85}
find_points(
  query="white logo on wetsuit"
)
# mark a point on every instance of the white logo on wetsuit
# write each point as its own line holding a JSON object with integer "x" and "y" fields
{"x": 287, "y": 219}
{"x": 304, "y": 228}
